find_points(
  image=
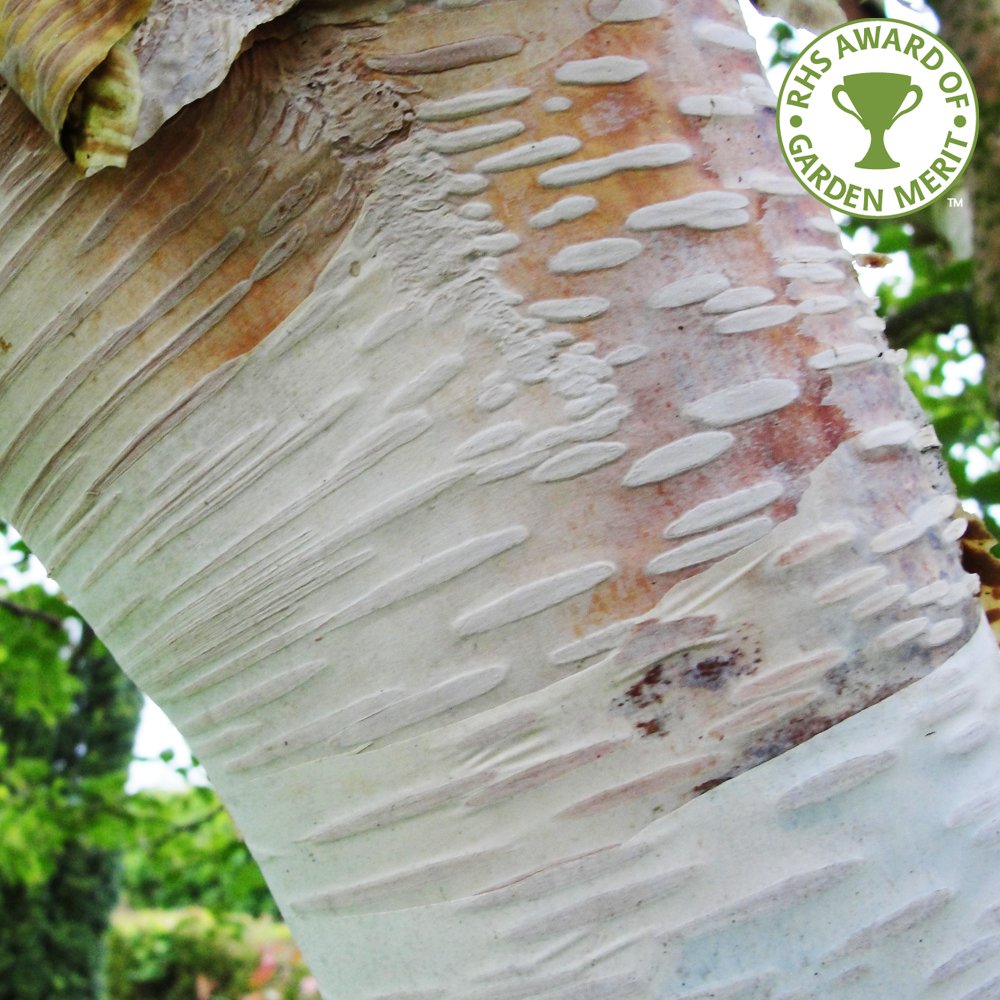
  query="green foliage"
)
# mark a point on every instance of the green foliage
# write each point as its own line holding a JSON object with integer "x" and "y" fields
{"x": 192, "y": 955}
{"x": 51, "y": 935}
{"x": 67, "y": 723}
{"x": 163, "y": 956}
{"x": 185, "y": 851}
{"x": 16, "y": 548}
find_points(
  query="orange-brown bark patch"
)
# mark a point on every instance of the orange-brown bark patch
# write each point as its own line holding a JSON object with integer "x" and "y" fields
{"x": 261, "y": 172}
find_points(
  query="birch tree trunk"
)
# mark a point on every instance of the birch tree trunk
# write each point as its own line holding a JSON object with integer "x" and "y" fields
{"x": 461, "y": 423}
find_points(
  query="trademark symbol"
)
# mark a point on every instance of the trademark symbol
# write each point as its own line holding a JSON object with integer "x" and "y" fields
{"x": 956, "y": 202}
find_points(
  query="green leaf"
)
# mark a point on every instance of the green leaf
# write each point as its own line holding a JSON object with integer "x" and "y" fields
{"x": 894, "y": 237}
{"x": 986, "y": 489}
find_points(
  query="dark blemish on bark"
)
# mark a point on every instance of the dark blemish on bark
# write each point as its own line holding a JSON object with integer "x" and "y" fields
{"x": 713, "y": 671}
{"x": 789, "y": 734}
{"x": 707, "y": 786}
{"x": 838, "y": 678}
{"x": 684, "y": 678}
{"x": 647, "y": 691}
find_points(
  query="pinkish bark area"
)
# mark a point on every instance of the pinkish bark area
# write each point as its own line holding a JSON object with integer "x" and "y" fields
{"x": 760, "y": 364}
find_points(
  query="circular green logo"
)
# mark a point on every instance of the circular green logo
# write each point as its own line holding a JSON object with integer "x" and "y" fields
{"x": 877, "y": 118}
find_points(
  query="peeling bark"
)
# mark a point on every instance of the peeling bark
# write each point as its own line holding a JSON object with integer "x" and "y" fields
{"x": 72, "y": 64}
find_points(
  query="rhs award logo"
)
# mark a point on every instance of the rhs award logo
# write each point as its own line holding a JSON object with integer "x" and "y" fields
{"x": 877, "y": 118}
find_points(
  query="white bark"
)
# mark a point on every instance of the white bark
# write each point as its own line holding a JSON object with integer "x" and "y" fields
{"x": 483, "y": 454}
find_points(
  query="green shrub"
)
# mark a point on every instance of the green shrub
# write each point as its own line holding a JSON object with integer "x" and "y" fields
{"x": 185, "y": 851}
{"x": 67, "y": 721}
{"x": 191, "y": 954}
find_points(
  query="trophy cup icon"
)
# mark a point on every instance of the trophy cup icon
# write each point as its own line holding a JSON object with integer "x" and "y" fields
{"x": 878, "y": 100}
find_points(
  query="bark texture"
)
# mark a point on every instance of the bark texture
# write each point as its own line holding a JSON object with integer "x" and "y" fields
{"x": 463, "y": 425}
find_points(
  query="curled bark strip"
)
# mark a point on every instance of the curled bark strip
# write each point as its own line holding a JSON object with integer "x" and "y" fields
{"x": 102, "y": 76}
{"x": 71, "y": 65}
{"x": 104, "y": 113}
